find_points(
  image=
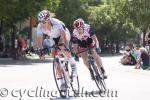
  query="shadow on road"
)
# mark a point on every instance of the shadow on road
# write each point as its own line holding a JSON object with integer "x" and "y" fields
{"x": 85, "y": 94}
{"x": 28, "y": 61}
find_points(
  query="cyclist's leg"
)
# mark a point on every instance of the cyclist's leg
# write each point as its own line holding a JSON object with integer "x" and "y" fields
{"x": 67, "y": 53}
{"x": 71, "y": 60}
{"x": 82, "y": 47}
{"x": 59, "y": 70}
{"x": 97, "y": 58}
{"x": 85, "y": 61}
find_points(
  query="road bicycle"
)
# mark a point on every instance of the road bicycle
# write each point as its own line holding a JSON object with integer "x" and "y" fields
{"x": 62, "y": 72}
{"x": 99, "y": 77}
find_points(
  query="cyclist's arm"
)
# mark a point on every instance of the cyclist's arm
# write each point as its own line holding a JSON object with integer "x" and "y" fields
{"x": 94, "y": 37}
{"x": 75, "y": 48}
{"x": 74, "y": 41}
{"x": 95, "y": 40}
{"x": 63, "y": 35}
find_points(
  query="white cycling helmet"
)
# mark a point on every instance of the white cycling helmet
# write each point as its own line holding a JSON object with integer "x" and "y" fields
{"x": 44, "y": 15}
{"x": 79, "y": 23}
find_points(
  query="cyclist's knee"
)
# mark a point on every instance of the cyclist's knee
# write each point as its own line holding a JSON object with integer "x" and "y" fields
{"x": 85, "y": 59}
{"x": 93, "y": 52}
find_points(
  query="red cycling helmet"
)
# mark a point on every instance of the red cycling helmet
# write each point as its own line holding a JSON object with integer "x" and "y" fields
{"x": 79, "y": 23}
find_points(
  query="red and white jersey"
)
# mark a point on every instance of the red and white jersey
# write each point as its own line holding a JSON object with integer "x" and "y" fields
{"x": 86, "y": 33}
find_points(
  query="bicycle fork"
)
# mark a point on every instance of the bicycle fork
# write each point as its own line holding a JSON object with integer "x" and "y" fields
{"x": 64, "y": 68}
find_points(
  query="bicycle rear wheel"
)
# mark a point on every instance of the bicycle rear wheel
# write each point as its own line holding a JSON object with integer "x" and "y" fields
{"x": 59, "y": 79}
{"x": 99, "y": 78}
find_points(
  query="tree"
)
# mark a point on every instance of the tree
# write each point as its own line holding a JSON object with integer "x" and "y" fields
{"x": 139, "y": 12}
{"x": 14, "y": 11}
{"x": 110, "y": 22}
{"x": 69, "y": 10}
{"x": 52, "y": 5}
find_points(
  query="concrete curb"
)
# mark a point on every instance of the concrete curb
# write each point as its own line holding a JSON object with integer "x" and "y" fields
{"x": 1, "y": 59}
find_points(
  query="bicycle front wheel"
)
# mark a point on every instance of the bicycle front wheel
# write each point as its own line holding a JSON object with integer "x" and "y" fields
{"x": 74, "y": 81}
{"x": 99, "y": 79}
{"x": 75, "y": 86}
{"x": 59, "y": 77}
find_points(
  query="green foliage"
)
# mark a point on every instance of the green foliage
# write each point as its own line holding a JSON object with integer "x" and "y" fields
{"x": 113, "y": 20}
{"x": 52, "y": 5}
{"x": 69, "y": 10}
{"x": 13, "y": 11}
{"x": 139, "y": 12}
{"x": 94, "y": 2}
{"x": 110, "y": 22}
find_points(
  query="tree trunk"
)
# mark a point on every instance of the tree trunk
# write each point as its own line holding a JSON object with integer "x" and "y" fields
{"x": 13, "y": 37}
{"x": 1, "y": 27}
{"x": 144, "y": 33}
{"x": 112, "y": 48}
{"x": 117, "y": 47}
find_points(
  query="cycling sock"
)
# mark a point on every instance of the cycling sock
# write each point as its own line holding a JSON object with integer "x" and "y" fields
{"x": 62, "y": 81}
{"x": 73, "y": 65}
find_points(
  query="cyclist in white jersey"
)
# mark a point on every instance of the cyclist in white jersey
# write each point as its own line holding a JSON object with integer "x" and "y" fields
{"x": 83, "y": 37}
{"x": 55, "y": 33}
{"x": 58, "y": 33}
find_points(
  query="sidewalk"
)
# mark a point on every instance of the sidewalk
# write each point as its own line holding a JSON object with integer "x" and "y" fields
{"x": 29, "y": 60}
{"x": 3, "y": 59}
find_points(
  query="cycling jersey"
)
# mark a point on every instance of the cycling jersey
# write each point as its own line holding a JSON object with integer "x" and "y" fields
{"x": 87, "y": 33}
{"x": 55, "y": 32}
{"x": 84, "y": 40}
{"x": 57, "y": 26}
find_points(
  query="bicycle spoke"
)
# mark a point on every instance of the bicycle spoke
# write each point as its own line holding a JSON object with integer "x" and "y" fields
{"x": 63, "y": 93}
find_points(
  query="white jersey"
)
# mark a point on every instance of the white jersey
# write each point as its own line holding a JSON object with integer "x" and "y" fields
{"x": 55, "y": 32}
{"x": 86, "y": 33}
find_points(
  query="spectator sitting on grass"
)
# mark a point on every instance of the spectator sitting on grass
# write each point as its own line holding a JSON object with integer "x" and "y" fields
{"x": 143, "y": 61}
{"x": 132, "y": 54}
{"x": 126, "y": 58}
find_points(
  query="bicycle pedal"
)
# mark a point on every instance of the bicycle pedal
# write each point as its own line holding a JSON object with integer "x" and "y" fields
{"x": 105, "y": 77}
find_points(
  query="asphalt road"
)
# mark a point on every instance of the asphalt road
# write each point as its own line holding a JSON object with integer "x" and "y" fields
{"x": 33, "y": 80}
